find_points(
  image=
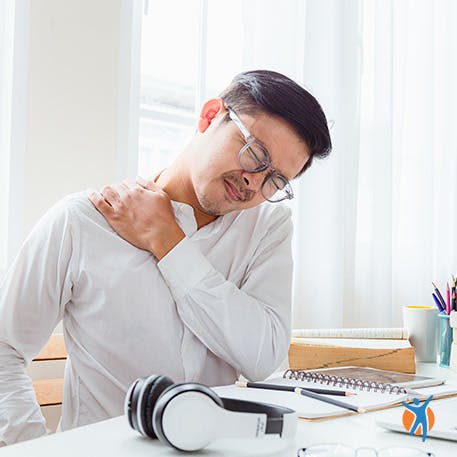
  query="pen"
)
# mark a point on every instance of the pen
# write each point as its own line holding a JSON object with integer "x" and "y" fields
{"x": 448, "y": 299}
{"x": 453, "y": 306}
{"x": 332, "y": 401}
{"x": 259, "y": 385}
{"x": 437, "y": 302}
{"x": 440, "y": 297}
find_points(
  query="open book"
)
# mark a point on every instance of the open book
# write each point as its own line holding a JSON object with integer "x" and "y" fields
{"x": 378, "y": 397}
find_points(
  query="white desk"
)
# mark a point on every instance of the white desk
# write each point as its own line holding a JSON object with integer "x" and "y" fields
{"x": 114, "y": 438}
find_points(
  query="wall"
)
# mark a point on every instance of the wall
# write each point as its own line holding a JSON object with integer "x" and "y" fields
{"x": 72, "y": 100}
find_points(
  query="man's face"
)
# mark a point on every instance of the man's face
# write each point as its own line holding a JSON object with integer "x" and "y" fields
{"x": 220, "y": 184}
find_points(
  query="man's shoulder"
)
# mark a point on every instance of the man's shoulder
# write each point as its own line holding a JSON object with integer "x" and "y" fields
{"x": 80, "y": 207}
{"x": 77, "y": 199}
{"x": 77, "y": 202}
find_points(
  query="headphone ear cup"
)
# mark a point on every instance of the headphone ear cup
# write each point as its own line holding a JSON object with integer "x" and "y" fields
{"x": 151, "y": 393}
{"x": 171, "y": 398}
{"x": 131, "y": 400}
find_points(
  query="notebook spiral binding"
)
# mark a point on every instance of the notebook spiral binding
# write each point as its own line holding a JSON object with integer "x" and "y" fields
{"x": 339, "y": 381}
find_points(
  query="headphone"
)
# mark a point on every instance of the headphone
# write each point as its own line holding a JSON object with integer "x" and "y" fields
{"x": 188, "y": 416}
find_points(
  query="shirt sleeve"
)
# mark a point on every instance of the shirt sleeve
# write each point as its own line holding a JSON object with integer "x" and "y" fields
{"x": 32, "y": 299}
{"x": 248, "y": 326}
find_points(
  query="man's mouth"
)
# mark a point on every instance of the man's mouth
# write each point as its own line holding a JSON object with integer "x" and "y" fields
{"x": 232, "y": 191}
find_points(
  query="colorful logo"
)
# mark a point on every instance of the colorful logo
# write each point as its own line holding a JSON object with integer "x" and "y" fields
{"x": 418, "y": 419}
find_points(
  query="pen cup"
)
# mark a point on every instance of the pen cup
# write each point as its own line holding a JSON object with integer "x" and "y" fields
{"x": 445, "y": 332}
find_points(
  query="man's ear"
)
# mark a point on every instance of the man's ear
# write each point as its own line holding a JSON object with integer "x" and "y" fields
{"x": 210, "y": 110}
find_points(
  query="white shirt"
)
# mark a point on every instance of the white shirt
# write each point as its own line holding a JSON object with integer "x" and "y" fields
{"x": 216, "y": 306}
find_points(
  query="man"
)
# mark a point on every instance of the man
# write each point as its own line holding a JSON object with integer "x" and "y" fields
{"x": 189, "y": 275}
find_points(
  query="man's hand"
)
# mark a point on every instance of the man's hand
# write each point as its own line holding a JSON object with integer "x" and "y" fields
{"x": 141, "y": 213}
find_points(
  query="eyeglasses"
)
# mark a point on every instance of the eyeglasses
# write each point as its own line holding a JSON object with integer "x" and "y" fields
{"x": 254, "y": 158}
{"x": 342, "y": 450}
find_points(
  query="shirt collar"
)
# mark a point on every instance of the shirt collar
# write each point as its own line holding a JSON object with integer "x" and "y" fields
{"x": 185, "y": 217}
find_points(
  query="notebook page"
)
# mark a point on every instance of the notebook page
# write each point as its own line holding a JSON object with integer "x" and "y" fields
{"x": 309, "y": 408}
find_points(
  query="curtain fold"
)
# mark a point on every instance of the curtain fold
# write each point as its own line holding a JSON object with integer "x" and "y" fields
{"x": 397, "y": 195}
{"x": 325, "y": 210}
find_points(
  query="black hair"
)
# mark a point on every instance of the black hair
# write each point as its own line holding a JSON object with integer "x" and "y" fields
{"x": 270, "y": 92}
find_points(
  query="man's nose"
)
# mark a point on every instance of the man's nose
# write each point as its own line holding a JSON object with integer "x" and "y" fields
{"x": 253, "y": 181}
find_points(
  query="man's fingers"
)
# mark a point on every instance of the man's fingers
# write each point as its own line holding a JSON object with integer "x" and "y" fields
{"x": 121, "y": 190}
{"x": 101, "y": 204}
{"x": 147, "y": 183}
{"x": 110, "y": 195}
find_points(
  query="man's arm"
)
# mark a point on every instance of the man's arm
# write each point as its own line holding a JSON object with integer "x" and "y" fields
{"x": 248, "y": 326}
{"x": 32, "y": 299}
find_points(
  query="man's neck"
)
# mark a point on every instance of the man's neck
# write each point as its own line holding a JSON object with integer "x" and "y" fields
{"x": 179, "y": 188}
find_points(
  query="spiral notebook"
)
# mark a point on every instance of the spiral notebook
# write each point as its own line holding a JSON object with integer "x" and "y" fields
{"x": 375, "y": 389}
{"x": 364, "y": 378}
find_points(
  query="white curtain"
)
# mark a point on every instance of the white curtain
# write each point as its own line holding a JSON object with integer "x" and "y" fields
{"x": 6, "y": 62}
{"x": 376, "y": 222}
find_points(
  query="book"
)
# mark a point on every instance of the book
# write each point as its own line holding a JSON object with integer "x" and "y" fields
{"x": 379, "y": 333}
{"x": 371, "y": 389}
{"x": 385, "y": 354}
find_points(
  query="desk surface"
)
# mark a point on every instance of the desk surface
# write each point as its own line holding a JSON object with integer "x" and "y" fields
{"x": 115, "y": 438}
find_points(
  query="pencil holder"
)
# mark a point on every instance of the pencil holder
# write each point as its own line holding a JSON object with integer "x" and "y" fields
{"x": 445, "y": 340}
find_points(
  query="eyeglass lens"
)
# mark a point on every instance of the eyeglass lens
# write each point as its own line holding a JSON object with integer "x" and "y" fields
{"x": 254, "y": 159}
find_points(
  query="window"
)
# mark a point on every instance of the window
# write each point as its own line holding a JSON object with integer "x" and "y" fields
{"x": 178, "y": 74}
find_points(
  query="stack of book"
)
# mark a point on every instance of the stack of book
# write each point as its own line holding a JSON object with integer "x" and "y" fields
{"x": 453, "y": 324}
{"x": 382, "y": 348}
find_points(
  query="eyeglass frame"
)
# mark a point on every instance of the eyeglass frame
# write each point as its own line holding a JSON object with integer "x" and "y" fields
{"x": 301, "y": 451}
{"x": 266, "y": 164}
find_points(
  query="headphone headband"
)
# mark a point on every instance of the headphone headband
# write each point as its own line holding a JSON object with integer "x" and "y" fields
{"x": 276, "y": 415}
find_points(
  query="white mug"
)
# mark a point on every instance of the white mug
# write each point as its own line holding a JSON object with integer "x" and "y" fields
{"x": 422, "y": 325}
